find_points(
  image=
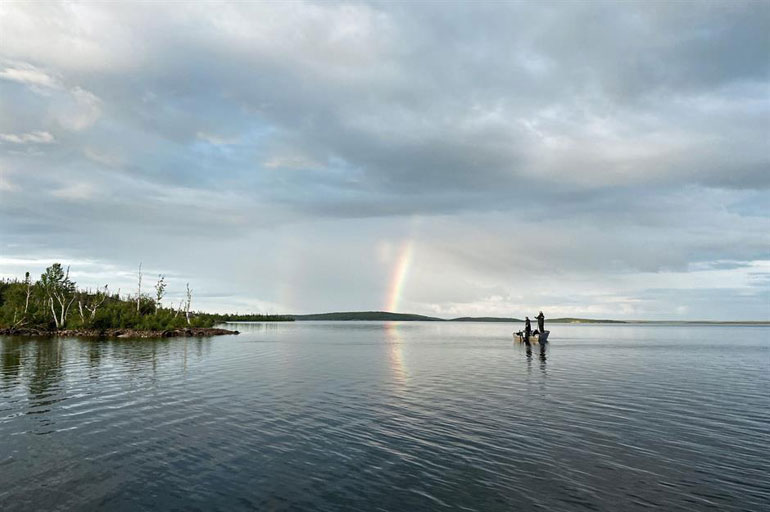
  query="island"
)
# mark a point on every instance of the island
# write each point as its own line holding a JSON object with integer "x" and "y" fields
{"x": 381, "y": 316}
{"x": 386, "y": 316}
{"x": 375, "y": 316}
{"x": 54, "y": 306}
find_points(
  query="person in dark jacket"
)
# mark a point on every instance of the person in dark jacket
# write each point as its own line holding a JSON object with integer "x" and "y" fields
{"x": 540, "y": 322}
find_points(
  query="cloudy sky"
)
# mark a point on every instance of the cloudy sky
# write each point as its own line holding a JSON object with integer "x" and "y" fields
{"x": 588, "y": 159}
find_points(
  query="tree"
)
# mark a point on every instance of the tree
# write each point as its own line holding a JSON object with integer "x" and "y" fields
{"x": 44, "y": 305}
{"x": 60, "y": 291}
{"x": 187, "y": 305}
{"x": 28, "y": 284}
{"x": 92, "y": 303}
{"x": 139, "y": 292}
{"x": 179, "y": 308}
{"x": 160, "y": 289}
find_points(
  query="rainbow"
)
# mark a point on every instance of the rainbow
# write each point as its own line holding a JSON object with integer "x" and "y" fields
{"x": 398, "y": 278}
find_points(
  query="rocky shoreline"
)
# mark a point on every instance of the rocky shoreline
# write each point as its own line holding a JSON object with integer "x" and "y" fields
{"x": 119, "y": 333}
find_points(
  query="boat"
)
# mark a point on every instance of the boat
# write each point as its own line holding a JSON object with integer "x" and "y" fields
{"x": 533, "y": 338}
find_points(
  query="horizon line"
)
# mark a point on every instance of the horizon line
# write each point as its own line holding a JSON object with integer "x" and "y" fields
{"x": 767, "y": 321}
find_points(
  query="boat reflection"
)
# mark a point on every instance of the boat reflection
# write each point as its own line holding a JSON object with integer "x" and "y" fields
{"x": 541, "y": 355}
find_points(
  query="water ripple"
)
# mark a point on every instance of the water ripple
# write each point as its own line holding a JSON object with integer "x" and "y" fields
{"x": 388, "y": 417}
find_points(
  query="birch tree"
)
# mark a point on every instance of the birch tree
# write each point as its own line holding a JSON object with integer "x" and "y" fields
{"x": 160, "y": 289}
{"x": 139, "y": 291}
{"x": 179, "y": 308}
{"x": 28, "y": 283}
{"x": 60, "y": 291}
{"x": 92, "y": 305}
{"x": 187, "y": 305}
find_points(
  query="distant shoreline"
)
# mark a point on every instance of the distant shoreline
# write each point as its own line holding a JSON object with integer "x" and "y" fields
{"x": 373, "y": 316}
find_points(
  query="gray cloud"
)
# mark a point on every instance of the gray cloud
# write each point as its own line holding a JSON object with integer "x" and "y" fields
{"x": 604, "y": 137}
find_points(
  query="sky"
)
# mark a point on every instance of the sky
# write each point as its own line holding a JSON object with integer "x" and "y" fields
{"x": 591, "y": 159}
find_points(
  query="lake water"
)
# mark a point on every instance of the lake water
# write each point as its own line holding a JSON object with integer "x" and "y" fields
{"x": 390, "y": 417}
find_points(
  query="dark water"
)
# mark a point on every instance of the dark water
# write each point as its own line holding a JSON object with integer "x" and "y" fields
{"x": 374, "y": 416}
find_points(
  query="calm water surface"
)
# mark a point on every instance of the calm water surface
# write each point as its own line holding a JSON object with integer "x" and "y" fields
{"x": 389, "y": 416}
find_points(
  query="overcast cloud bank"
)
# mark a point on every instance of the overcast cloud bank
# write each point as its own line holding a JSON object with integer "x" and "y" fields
{"x": 588, "y": 159}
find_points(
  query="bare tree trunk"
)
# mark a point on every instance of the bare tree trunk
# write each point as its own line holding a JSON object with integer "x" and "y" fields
{"x": 179, "y": 308}
{"x": 67, "y": 310}
{"x": 56, "y": 320}
{"x": 29, "y": 292}
{"x": 139, "y": 292}
{"x": 187, "y": 305}
{"x": 60, "y": 299}
{"x": 64, "y": 305}
{"x": 96, "y": 305}
{"x": 16, "y": 324}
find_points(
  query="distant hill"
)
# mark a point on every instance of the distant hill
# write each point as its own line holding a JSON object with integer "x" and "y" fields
{"x": 407, "y": 317}
{"x": 368, "y": 315}
{"x": 582, "y": 321}
{"x": 383, "y": 316}
{"x": 534, "y": 320}
{"x": 485, "y": 319}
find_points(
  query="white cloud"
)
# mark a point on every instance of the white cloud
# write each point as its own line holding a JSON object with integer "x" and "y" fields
{"x": 29, "y": 75}
{"x": 102, "y": 157}
{"x": 69, "y": 36}
{"x": 291, "y": 162}
{"x": 216, "y": 140}
{"x": 75, "y": 192}
{"x": 6, "y": 185}
{"x": 37, "y": 137}
{"x": 73, "y": 107}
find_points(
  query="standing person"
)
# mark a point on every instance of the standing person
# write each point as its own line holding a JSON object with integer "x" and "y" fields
{"x": 540, "y": 322}
{"x": 527, "y": 330}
